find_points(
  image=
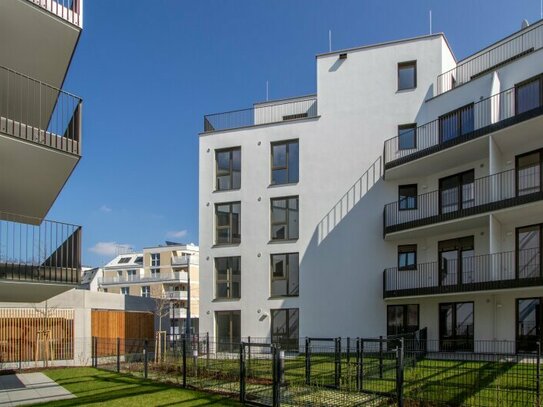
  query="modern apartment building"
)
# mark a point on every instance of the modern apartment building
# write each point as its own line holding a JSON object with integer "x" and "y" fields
{"x": 40, "y": 145}
{"x": 166, "y": 273}
{"x": 405, "y": 194}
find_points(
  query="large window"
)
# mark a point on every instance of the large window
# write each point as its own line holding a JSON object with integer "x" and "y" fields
{"x": 228, "y": 328}
{"x": 407, "y": 137}
{"x": 228, "y": 223}
{"x": 407, "y": 257}
{"x": 528, "y": 169}
{"x": 456, "y": 261}
{"x": 407, "y": 75}
{"x": 529, "y": 251}
{"x": 528, "y": 324}
{"x": 285, "y": 165}
{"x": 228, "y": 169}
{"x": 228, "y": 277}
{"x": 456, "y": 326}
{"x": 284, "y": 218}
{"x": 402, "y": 319}
{"x": 528, "y": 95}
{"x": 285, "y": 327}
{"x": 284, "y": 274}
{"x": 407, "y": 197}
{"x": 457, "y": 192}
{"x": 456, "y": 123}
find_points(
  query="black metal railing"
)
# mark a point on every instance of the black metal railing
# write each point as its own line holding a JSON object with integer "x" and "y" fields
{"x": 502, "y": 190}
{"x": 69, "y": 10}
{"x": 47, "y": 252}
{"x": 528, "y": 41}
{"x": 473, "y": 273}
{"x": 262, "y": 113}
{"x": 475, "y": 120}
{"x": 40, "y": 113}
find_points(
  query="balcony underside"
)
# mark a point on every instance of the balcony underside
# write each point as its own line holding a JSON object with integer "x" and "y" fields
{"x": 30, "y": 291}
{"x": 35, "y": 42}
{"x": 31, "y": 176}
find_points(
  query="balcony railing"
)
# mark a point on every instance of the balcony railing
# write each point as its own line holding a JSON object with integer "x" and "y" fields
{"x": 40, "y": 113}
{"x": 498, "y": 191}
{"x": 176, "y": 295}
{"x": 49, "y": 252}
{"x": 177, "y": 313}
{"x": 156, "y": 277}
{"x": 69, "y": 10}
{"x": 262, "y": 113}
{"x": 184, "y": 260}
{"x": 528, "y": 41}
{"x": 474, "y": 273}
{"x": 478, "y": 119}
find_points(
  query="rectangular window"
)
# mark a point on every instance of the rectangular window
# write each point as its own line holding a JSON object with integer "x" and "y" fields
{"x": 457, "y": 192}
{"x": 124, "y": 260}
{"x": 285, "y": 328}
{"x": 407, "y": 257}
{"x": 528, "y": 324}
{"x": 407, "y": 197}
{"x": 285, "y": 165}
{"x": 285, "y": 274}
{"x": 407, "y": 136}
{"x": 456, "y": 261}
{"x": 528, "y": 95}
{"x": 402, "y": 319}
{"x": 155, "y": 274}
{"x": 125, "y": 290}
{"x": 528, "y": 169}
{"x": 284, "y": 218}
{"x": 155, "y": 259}
{"x": 131, "y": 275}
{"x": 228, "y": 277}
{"x": 146, "y": 291}
{"x": 529, "y": 251}
{"x": 407, "y": 75}
{"x": 228, "y": 223}
{"x": 456, "y": 327}
{"x": 228, "y": 169}
{"x": 456, "y": 123}
{"x": 228, "y": 330}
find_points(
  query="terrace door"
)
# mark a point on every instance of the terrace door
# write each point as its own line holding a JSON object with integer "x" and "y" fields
{"x": 456, "y": 327}
{"x": 529, "y": 252}
{"x": 528, "y": 324}
{"x": 528, "y": 95}
{"x": 456, "y": 261}
{"x": 457, "y": 192}
{"x": 457, "y": 123}
{"x": 528, "y": 171}
{"x": 228, "y": 330}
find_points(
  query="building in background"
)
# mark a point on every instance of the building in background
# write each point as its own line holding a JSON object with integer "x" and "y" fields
{"x": 406, "y": 160}
{"x": 40, "y": 145}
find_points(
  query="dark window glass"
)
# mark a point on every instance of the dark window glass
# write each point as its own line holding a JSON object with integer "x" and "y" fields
{"x": 407, "y": 257}
{"x": 284, "y": 274}
{"x": 402, "y": 319}
{"x": 457, "y": 192}
{"x": 228, "y": 277}
{"x": 228, "y": 168}
{"x": 407, "y": 197}
{"x": 529, "y": 173}
{"x": 228, "y": 223}
{"x": 284, "y": 218}
{"x": 285, "y": 328}
{"x": 528, "y": 324}
{"x": 456, "y": 326}
{"x": 456, "y": 123}
{"x": 528, "y": 95}
{"x": 529, "y": 251}
{"x": 456, "y": 262}
{"x": 285, "y": 165}
{"x": 228, "y": 328}
{"x": 407, "y": 136}
{"x": 407, "y": 75}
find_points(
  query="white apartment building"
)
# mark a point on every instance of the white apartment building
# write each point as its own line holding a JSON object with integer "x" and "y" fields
{"x": 405, "y": 194}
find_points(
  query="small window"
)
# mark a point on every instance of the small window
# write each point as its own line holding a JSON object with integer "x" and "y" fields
{"x": 402, "y": 319}
{"x": 407, "y": 257}
{"x": 407, "y": 75}
{"x": 125, "y": 290}
{"x": 228, "y": 169}
{"x": 124, "y": 260}
{"x": 285, "y": 165}
{"x": 407, "y": 197}
{"x": 407, "y": 136}
{"x": 139, "y": 260}
{"x": 285, "y": 274}
{"x": 284, "y": 218}
{"x": 228, "y": 277}
{"x": 146, "y": 291}
{"x": 228, "y": 223}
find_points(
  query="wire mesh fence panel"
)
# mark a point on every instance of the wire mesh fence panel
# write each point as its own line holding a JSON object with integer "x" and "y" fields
{"x": 258, "y": 373}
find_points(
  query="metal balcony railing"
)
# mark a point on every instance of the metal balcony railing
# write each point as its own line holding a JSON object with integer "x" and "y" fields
{"x": 69, "y": 10}
{"x": 474, "y": 273}
{"x": 523, "y": 43}
{"x": 475, "y": 120}
{"x": 262, "y": 113}
{"x": 156, "y": 277}
{"x": 493, "y": 192}
{"x": 40, "y": 113}
{"x": 49, "y": 252}
{"x": 176, "y": 295}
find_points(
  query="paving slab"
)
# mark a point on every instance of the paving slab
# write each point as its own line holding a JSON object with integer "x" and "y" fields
{"x": 29, "y": 388}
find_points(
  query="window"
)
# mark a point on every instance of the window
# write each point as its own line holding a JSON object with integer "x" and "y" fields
{"x": 125, "y": 290}
{"x": 228, "y": 223}
{"x": 285, "y": 327}
{"x": 228, "y": 328}
{"x": 528, "y": 324}
{"x": 228, "y": 169}
{"x": 407, "y": 257}
{"x": 457, "y": 192}
{"x": 456, "y": 326}
{"x": 407, "y": 197}
{"x": 131, "y": 275}
{"x": 402, "y": 319}
{"x": 528, "y": 95}
{"x": 285, "y": 165}
{"x": 528, "y": 169}
{"x": 228, "y": 277}
{"x": 155, "y": 274}
{"x": 407, "y": 75}
{"x": 456, "y": 261}
{"x": 529, "y": 251}
{"x": 155, "y": 259}
{"x": 285, "y": 274}
{"x": 146, "y": 291}
{"x": 407, "y": 136}
{"x": 104, "y": 290}
{"x": 139, "y": 260}
{"x": 456, "y": 123}
{"x": 284, "y": 218}
{"x": 124, "y": 260}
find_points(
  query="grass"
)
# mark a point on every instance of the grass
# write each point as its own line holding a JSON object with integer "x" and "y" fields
{"x": 97, "y": 387}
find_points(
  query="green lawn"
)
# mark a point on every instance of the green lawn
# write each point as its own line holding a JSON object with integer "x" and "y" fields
{"x": 97, "y": 387}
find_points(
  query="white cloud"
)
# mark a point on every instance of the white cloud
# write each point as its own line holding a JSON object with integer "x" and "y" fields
{"x": 110, "y": 248}
{"x": 177, "y": 233}
{"x": 105, "y": 208}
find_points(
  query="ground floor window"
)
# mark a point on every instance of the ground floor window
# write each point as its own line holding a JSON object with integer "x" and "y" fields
{"x": 228, "y": 329}
{"x": 402, "y": 319}
{"x": 285, "y": 325}
{"x": 456, "y": 326}
{"x": 528, "y": 324}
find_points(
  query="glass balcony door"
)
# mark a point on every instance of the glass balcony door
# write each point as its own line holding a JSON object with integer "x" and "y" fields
{"x": 456, "y": 264}
{"x": 528, "y": 95}
{"x": 456, "y": 327}
{"x": 528, "y": 173}
{"x": 528, "y": 324}
{"x": 457, "y": 192}
{"x": 529, "y": 252}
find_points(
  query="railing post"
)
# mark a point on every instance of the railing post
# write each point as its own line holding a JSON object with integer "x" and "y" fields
{"x": 145, "y": 358}
{"x": 184, "y": 359}
{"x": 399, "y": 372}
{"x": 381, "y": 357}
{"x": 337, "y": 367}
{"x": 307, "y": 361}
{"x": 241, "y": 374}
{"x": 118, "y": 355}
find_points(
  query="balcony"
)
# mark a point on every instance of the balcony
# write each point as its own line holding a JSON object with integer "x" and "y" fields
{"x": 489, "y": 115}
{"x": 69, "y": 10}
{"x": 180, "y": 277}
{"x": 184, "y": 260}
{"x": 176, "y": 295}
{"x": 476, "y": 273}
{"x": 494, "y": 192}
{"x": 178, "y": 313}
{"x": 48, "y": 254}
{"x": 262, "y": 113}
{"x": 517, "y": 45}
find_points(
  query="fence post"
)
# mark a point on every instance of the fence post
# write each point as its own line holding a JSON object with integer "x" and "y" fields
{"x": 381, "y": 357}
{"x": 348, "y": 351}
{"x": 241, "y": 374}
{"x": 538, "y": 374}
{"x": 118, "y": 355}
{"x": 145, "y": 359}
{"x": 207, "y": 350}
{"x": 307, "y": 361}
{"x": 337, "y": 367}
{"x": 358, "y": 365}
{"x": 248, "y": 367}
{"x": 96, "y": 352}
{"x": 184, "y": 359}
{"x": 278, "y": 358}
{"x": 399, "y": 373}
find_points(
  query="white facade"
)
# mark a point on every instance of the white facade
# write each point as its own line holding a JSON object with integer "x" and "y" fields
{"x": 342, "y": 245}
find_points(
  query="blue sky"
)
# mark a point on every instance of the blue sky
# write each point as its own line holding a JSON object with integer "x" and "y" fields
{"x": 149, "y": 70}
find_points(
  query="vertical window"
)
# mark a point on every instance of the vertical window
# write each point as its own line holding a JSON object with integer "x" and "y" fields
{"x": 285, "y": 274}
{"x": 528, "y": 95}
{"x": 125, "y": 290}
{"x": 456, "y": 326}
{"x": 407, "y": 75}
{"x": 284, "y": 218}
{"x": 456, "y": 123}
{"x": 146, "y": 291}
{"x": 528, "y": 324}
{"x": 155, "y": 274}
{"x": 155, "y": 259}
{"x": 402, "y": 319}
{"x": 285, "y": 327}
{"x": 456, "y": 261}
{"x": 407, "y": 257}
{"x": 285, "y": 165}
{"x": 228, "y": 277}
{"x": 529, "y": 251}
{"x": 407, "y": 197}
{"x": 407, "y": 136}
{"x": 228, "y": 169}
{"x": 457, "y": 192}
{"x": 228, "y": 329}
{"x": 228, "y": 223}
{"x": 528, "y": 170}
